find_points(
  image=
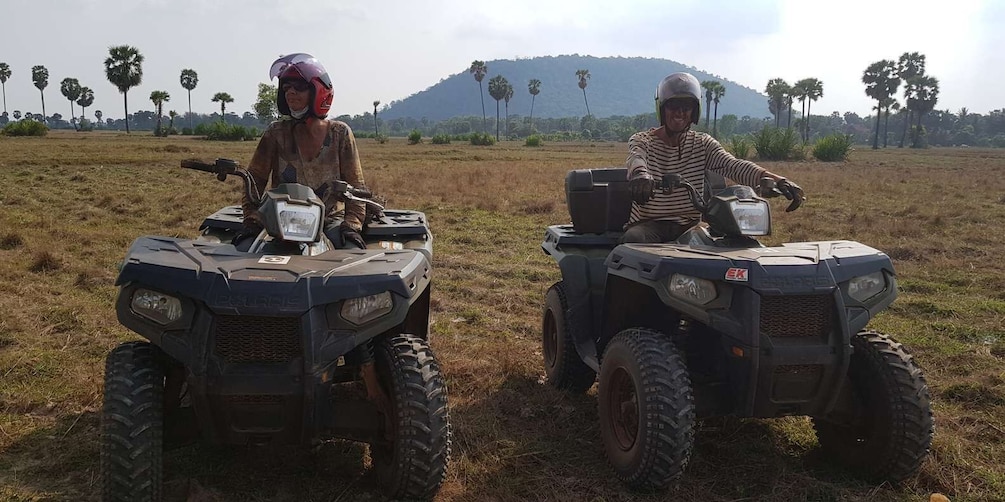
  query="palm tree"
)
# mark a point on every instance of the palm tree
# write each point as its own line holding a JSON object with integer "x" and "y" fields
{"x": 814, "y": 90}
{"x": 707, "y": 85}
{"x": 479, "y": 69}
{"x": 86, "y": 99}
{"x": 583, "y": 76}
{"x": 189, "y": 79}
{"x": 40, "y": 76}
{"x": 926, "y": 96}
{"x": 97, "y": 115}
{"x": 534, "y": 87}
{"x": 799, "y": 92}
{"x": 124, "y": 69}
{"x": 877, "y": 79}
{"x": 223, "y": 98}
{"x": 376, "y": 103}
{"x": 70, "y": 89}
{"x": 4, "y": 75}
{"x": 909, "y": 66}
{"x": 17, "y": 114}
{"x": 498, "y": 86}
{"x": 888, "y": 104}
{"x": 507, "y": 97}
{"x": 172, "y": 114}
{"x": 159, "y": 97}
{"x": 718, "y": 91}
{"x": 778, "y": 91}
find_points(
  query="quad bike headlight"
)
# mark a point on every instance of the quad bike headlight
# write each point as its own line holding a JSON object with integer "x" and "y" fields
{"x": 866, "y": 286}
{"x": 158, "y": 307}
{"x": 692, "y": 289}
{"x": 298, "y": 223}
{"x": 752, "y": 216}
{"x": 367, "y": 308}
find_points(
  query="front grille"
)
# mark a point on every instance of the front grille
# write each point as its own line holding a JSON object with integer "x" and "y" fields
{"x": 796, "y": 316}
{"x": 250, "y": 339}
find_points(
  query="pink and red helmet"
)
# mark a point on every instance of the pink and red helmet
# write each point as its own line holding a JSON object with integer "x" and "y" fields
{"x": 300, "y": 66}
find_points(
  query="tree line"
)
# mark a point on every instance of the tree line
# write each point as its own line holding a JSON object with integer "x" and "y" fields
{"x": 912, "y": 113}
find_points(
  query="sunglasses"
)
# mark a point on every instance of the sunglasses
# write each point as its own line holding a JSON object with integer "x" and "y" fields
{"x": 297, "y": 85}
{"x": 677, "y": 106}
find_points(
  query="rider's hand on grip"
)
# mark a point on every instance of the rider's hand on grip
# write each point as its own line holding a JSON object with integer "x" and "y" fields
{"x": 642, "y": 187}
{"x": 792, "y": 192}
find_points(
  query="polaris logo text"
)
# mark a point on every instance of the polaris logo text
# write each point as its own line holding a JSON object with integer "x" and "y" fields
{"x": 804, "y": 281}
{"x": 257, "y": 301}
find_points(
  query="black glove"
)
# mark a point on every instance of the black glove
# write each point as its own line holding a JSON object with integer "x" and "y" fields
{"x": 792, "y": 192}
{"x": 251, "y": 229}
{"x": 351, "y": 237}
{"x": 642, "y": 187}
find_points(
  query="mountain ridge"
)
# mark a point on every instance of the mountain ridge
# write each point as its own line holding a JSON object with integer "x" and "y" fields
{"x": 617, "y": 86}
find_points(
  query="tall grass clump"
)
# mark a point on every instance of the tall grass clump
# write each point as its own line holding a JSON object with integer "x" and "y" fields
{"x": 440, "y": 139}
{"x": 739, "y": 146}
{"x": 533, "y": 140}
{"x": 25, "y": 128}
{"x": 772, "y": 143}
{"x": 833, "y": 148}
{"x": 482, "y": 139}
{"x": 219, "y": 131}
{"x": 414, "y": 137}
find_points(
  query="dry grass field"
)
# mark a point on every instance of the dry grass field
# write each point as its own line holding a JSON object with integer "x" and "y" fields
{"x": 71, "y": 203}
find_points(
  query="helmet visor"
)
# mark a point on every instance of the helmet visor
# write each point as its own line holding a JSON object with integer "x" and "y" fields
{"x": 306, "y": 65}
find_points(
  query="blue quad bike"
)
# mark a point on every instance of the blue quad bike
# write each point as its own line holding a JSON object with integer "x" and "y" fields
{"x": 291, "y": 342}
{"x": 718, "y": 324}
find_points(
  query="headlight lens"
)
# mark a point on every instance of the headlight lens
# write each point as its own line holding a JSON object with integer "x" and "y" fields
{"x": 866, "y": 286}
{"x": 692, "y": 289}
{"x": 158, "y": 307}
{"x": 751, "y": 216}
{"x": 298, "y": 223}
{"x": 367, "y": 308}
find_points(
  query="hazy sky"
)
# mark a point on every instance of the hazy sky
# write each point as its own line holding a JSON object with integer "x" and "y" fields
{"x": 390, "y": 49}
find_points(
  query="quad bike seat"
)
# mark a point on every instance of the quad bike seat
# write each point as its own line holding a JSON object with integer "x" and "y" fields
{"x": 598, "y": 199}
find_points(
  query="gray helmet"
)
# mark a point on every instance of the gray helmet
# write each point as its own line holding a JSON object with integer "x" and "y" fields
{"x": 679, "y": 85}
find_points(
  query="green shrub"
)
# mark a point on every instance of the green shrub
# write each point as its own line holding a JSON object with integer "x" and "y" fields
{"x": 85, "y": 125}
{"x": 833, "y": 148}
{"x": 482, "y": 139}
{"x": 186, "y": 131}
{"x": 778, "y": 144}
{"x": 25, "y": 128}
{"x": 414, "y": 137}
{"x": 739, "y": 145}
{"x": 533, "y": 140}
{"x": 440, "y": 139}
{"x": 219, "y": 131}
{"x": 381, "y": 138}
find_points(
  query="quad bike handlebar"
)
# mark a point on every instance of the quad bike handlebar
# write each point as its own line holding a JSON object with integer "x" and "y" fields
{"x": 768, "y": 188}
{"x": 223, "y": 167}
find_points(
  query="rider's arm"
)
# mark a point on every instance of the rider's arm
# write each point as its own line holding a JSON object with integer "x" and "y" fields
{"x": 352, "y": 173}
{"x": 263, "y": 163}
{"x": 637, "y": 154}
{"x": 739, "y": 170}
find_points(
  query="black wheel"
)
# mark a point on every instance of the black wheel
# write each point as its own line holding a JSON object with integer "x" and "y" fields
{"x": 562, "y": 365}
{"x": 414, "y": 463}
{"x": 646, "y": 409}
{"x": 132, "y": 421}
{"x": 889, "y": 429}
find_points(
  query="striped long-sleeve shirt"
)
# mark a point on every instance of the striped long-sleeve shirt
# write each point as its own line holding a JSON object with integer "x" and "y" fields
{"x": 698, "y": 151}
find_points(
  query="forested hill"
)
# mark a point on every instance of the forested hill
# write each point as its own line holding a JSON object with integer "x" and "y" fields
{"x": 617, "y": 86}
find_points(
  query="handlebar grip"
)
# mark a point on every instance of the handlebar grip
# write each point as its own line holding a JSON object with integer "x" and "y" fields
{"x": 198, "y": 165}
{"x": 361, "y": 192}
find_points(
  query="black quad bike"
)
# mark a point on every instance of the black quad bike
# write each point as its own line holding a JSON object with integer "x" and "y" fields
{"x": 717, "y": 324}
{"x": 292, "y": 342}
